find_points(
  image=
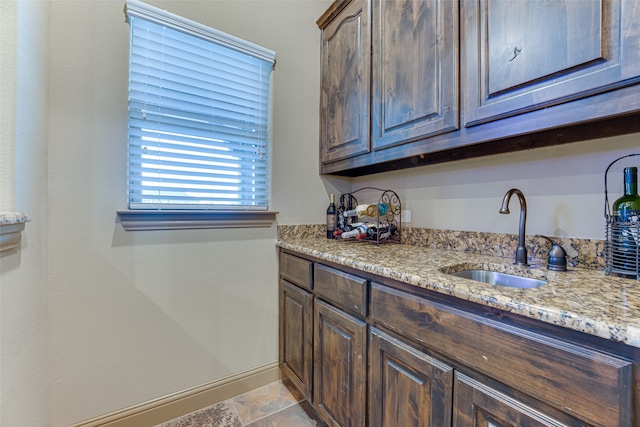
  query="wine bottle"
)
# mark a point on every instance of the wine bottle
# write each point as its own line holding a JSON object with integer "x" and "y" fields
{"x": 379, "y": 209}
{"x": 360, "y": 210}
{"x": 368, "y": 210}
{"x": 331, "y": 218}
{"x": 626, "y": 227}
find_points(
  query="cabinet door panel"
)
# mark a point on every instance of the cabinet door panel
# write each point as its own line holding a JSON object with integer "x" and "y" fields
{"x": 477, "y": 405}
{"x": 408, "y": 388}
{"x": 339, "y": 366}
{"x": 345, "y": 93}
{"x": 415, "y": 72}
{"x": 519, "y": 56}
{"x": 296, "y": 331}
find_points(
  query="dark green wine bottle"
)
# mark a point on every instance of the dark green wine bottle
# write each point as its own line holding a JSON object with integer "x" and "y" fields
{"x": 626, "y": 227}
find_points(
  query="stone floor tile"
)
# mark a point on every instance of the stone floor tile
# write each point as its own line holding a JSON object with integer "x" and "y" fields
{"x": 221, "y": 414}
{"x": 299, "y": 415}
{"x": 266, "y": 400}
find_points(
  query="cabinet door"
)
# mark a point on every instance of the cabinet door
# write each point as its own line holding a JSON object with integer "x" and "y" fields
{"x": 296, "y": 316}
{"x": 339, "y": 366}
{"x": 407, "y": 387}
{"x": 477, "y": 405}
{"x": 519, "y": 56}
{"x": 344, "y": 92}
{"x": 415, "y": 70}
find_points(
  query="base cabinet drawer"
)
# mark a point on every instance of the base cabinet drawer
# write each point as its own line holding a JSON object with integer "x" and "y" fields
{"x": 344, "y": 290}
{"x": 406, "y": 387}
{"x": 296, "y": 270}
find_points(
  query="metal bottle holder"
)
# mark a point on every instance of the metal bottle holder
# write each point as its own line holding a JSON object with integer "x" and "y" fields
{"x": 622, "y": 241}
{"x": 391, "y": 220}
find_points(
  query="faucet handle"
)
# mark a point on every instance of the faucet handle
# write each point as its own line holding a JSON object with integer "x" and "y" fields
{"x": 557, "y": 260}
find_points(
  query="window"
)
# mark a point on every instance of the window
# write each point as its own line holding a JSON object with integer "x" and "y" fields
{"x": 199, "y": 113}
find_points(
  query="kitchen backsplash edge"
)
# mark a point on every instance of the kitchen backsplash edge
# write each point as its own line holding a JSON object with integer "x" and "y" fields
{"x": 584, "y": 253}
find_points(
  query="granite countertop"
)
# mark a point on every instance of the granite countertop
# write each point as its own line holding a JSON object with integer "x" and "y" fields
{"x": 10, "y": 218}
{"x": 11, "y": 226}
{"x": 581, "y": 299}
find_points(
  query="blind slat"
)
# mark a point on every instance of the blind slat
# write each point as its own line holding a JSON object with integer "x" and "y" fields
{"x": 154, "y": 125}
{"x": 199, "y": 133}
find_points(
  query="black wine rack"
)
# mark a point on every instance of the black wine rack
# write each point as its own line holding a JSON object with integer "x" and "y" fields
{"x": 622, "y": 239}
{"x": 379, "y": 228}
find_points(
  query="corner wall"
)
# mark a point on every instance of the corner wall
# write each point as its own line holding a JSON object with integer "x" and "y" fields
{"x": 24, "y": 324}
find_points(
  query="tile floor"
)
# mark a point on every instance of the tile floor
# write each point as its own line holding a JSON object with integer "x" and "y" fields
{"x": 277, "y": 404}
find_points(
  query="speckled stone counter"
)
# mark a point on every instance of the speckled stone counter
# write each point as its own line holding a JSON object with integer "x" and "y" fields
{"x": 582, "y": 299}
{"x": 8, "y": 218}
{"x": 11, "y": 226}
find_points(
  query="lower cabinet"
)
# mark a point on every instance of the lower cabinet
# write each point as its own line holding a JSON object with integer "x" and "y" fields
{"x": 340, "y": 366}
{"x": 367, "y": 354}
{"x": 407, "y": 388}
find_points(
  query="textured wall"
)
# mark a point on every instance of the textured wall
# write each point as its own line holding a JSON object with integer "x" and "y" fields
{"x": 24, "y": 331}
{"x": 138, "y": 315}
{"x": 563, "y": 188}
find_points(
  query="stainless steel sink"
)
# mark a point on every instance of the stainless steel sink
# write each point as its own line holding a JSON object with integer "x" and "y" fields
{"x": 500, "y": 279}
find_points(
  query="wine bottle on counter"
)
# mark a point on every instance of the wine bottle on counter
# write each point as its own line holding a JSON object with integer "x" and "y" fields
{"x": 626, "y": 227}
{"x": 355, "y": 230}
{"x": 331, "y": 218}
{"x": 381, "y": 233}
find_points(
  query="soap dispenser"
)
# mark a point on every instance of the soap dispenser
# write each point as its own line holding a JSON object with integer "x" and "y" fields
{"x": 557, "y": 260}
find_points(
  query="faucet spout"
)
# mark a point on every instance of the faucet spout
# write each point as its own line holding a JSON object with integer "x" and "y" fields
{"x": 521, "y": 252}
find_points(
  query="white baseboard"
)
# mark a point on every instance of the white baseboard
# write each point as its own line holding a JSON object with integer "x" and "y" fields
{"x": 166, "y": 408}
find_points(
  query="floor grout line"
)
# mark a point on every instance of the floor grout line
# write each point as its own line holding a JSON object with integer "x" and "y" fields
{"x": 235, "y": 408}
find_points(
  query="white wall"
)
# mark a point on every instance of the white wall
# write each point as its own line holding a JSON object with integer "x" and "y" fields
{"x": 563, "y": 188}
{"x": 138, "y": 315}
{"x": 24, "y": 331}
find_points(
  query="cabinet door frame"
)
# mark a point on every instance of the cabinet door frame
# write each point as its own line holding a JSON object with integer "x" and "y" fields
{"x": 340, "y": 366}
{"x": 399, "y": 371}
{"x": 415, "y": 83}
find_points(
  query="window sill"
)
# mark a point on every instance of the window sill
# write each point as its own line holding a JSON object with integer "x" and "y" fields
{"x": 11, "y": 226}
{"x": 186, "y": 220}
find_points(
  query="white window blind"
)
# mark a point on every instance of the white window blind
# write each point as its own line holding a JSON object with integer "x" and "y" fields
{"x": 199, "y": 103}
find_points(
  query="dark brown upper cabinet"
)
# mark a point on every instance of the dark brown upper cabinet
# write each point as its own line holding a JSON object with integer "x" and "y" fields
{"x": 345, "y": 91}
{"x": 389, "y": 74}
{"x": 413, "y": 82}
{"x": 415, "y": 70}
{"x": 520, "y": 56}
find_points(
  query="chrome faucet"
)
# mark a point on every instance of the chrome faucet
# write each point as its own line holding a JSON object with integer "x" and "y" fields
{"x": 521, "y": 252}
